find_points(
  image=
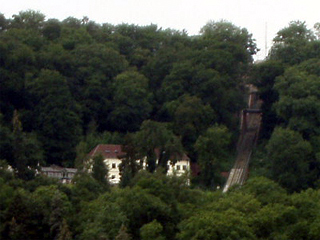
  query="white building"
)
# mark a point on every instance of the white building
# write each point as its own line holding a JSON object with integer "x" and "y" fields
{"x": 112, "y": 155}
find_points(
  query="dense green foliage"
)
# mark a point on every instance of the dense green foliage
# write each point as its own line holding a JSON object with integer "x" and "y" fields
{"x": 69, "y": 85}
{"x": 76, "y": 83}
{"x": 154, "y": 206}
{"x": 289, "y": 87}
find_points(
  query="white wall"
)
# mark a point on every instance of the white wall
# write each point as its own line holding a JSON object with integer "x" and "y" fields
{"x": 114, "y": 173}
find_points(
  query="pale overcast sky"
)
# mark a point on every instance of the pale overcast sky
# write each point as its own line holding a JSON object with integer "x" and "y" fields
{"x": 191, "y": 15}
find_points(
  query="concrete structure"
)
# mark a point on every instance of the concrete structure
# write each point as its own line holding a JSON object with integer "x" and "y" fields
{"x": 112, "y": 155}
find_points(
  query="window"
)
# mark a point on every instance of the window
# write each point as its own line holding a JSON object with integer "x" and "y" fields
{"x": 178, "y": 167}
{"x": 184, "y": 167}
{"x": 113, "y": 165}
{"x": 113, "y": 177}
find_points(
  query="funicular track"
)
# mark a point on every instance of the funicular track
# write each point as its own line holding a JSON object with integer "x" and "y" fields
{"x": 251, "y": 119}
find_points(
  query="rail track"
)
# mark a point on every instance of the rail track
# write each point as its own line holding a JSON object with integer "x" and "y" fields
{"x": 251, "y": 120}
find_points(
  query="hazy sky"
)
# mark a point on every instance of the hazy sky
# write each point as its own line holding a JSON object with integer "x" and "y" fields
{"x": 191, "y": 15}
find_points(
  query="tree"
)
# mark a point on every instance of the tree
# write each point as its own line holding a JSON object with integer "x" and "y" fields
{"x": 291, "y": 43}
{"x": 144, "y": 209}
{"x": 265, "y": 190}
{"x": 101, "y": 218}
{"x": 3, "y": 22}
{"x": 151, "y": 231}
{"x": 52, "y": 29}
{"x": 212, "y": 225}
{"x": 212, "y": 149}
{"x": 289, "y": 155}
{"x": 190, "y": 119}
{"x": 298, "y": 101}
{"x": 132, "y": 101}
{"x": 317, "y": 28}
{"x": 130, "y": 162}
{"x": 123, "y": 235}
{"x": 100, "y": 170}
{"x": 85, "y": 189}
{"x": 234, "y": 45}
{"x": 57, "y": 121}
{"x": 26, "y": 151}
{"x": 157, "y": 142}
{"x": 29, "y": 19}
{"x": 64, "y": 233}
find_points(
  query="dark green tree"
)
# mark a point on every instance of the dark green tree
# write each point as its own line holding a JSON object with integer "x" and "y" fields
{"x": 132, "y": 101}
{"x": 212, "y": 148}
{"x": 157, "y": 142}
{"x": 100, "y": 170}
{"x": 264, "y": 77}
{"x": 290, "y": 156}
{"x": 26, "y": 151}
{"x": 57, "y": 122}
{"x": 190, "y": 119}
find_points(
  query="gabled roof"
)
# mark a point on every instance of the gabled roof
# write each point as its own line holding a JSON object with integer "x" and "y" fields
{"x": 112, "y": 151}
{"x": 181, "y": 157}
{"x": 107, "y": 151}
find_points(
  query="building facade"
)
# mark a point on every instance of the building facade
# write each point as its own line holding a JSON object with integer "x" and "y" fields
{"x": 112, "y": 155}
{"x": 64, "y": 175}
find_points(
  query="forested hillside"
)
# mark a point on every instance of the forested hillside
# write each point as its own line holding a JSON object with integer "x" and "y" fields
{"x": 289, "y": 83}
{"x": 66, "y": 86}
{"x": 69, "y": 85}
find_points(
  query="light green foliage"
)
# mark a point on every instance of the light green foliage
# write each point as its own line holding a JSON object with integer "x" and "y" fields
{"x": 291, "y": 43}
{"x": 29, "y": 19}
{"x": 265, "y": 190}
{"x": 6, "y": 196}
{"x": 101, "y": 218}
{"x": 298, "y": 101}
{"x": 151, "y": 231}
{"x": 272, "y": 219}
{"x": 209, "y": 225}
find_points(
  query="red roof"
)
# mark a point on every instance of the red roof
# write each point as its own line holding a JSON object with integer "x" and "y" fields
{"x": 180, "y": 157}
{"x": 115, "y": 151}
{"x": 107, "y": 151}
